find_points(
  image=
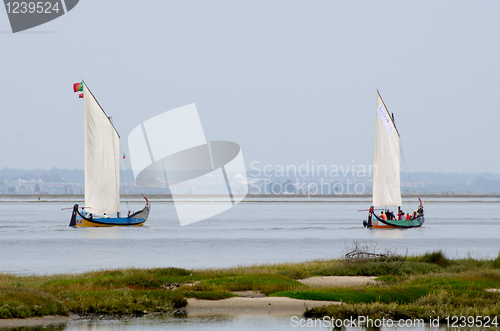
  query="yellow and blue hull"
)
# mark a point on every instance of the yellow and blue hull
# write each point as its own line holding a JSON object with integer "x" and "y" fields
{"x": 136, "y": 219}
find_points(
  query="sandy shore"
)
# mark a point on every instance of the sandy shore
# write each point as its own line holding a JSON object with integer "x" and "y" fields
{"x": 252, "y": 306}
{"x": 35, "y": 321}
{"x": 256, "y": 303}
{"x": 338, "y": 281}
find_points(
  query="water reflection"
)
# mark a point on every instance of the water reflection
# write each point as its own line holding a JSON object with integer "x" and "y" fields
{"x": 58, "y": 327}
{"x": 101, "y": 233}
{"x": 247, "y": 322}
{"x": 390, "y": 233}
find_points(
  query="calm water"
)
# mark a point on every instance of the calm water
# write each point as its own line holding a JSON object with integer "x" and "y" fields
{"x": 34, "y": 238}
{"x": 248, "y": 322}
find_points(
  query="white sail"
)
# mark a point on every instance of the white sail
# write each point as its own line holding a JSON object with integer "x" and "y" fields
{"x": 102, "y": 172}
{"x": 386, "y": 181}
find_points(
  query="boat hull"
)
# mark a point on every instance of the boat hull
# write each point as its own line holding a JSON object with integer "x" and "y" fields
{"x": 136, "y": 219}
{"x": 377, "y": 223}
{"x": 401, "y": 224}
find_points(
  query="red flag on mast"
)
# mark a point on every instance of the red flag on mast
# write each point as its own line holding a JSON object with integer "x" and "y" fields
{"x": 77, "y": 87}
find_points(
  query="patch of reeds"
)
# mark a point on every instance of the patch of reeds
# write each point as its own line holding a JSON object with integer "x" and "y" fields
{"x": 436, "y": 258}
{"x": 496, "y": 262}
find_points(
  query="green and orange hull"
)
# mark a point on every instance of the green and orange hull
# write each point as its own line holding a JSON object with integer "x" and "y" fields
{"x": 378, "y": 223}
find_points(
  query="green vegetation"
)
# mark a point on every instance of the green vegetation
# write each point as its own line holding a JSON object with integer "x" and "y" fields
{"x": 436, "y": 258}
{"x": 427, "y": 286}
{"x": 496, "y": 262}
{"x": 366, "y": 294}
{"x": 22, "y": 302}
{"x": 209, "y": 295}
{"x": 407, "y": 287}
{"x": 110, "y": 292}
{"x": 266, "y": 284}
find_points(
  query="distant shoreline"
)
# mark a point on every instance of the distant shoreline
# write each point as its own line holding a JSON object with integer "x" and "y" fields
{"x": 351, "y": 198}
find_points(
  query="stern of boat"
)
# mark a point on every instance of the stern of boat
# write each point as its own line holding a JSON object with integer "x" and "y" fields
{"x": 368, "y": 222}
{"x": 74, "y": 214}
{"x": 144, "y": 213}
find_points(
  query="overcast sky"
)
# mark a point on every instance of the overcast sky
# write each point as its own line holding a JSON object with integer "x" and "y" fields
{"x": 289, "y": 81}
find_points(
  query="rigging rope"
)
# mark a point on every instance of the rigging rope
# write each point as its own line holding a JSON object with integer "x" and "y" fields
{"x": 132, "y": 173}
{"x": 126, "y": 199}
{"x": 407, "y": 172}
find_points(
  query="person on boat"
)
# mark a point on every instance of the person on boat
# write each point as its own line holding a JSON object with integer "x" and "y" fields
{"x": 84, "y": 213}
{"x": 420, "y": 210}
{"x": 401, "y": 215}
{"x": 390, "y": 215}
{"x": 407, "y": 217}
{"x": 383, "y": 216}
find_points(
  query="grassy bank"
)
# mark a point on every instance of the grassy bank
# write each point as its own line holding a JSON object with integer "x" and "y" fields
{"x": 408, "y": 287}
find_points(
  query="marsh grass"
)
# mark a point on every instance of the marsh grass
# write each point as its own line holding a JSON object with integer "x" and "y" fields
{"x": 122, "y": 302}
{"x": 21, "y": 302}
{"x": 298, "y": 270}
{"x": 398, "y": 294}
{"x": 121, "y": 278}
{"x": 418, "y": 296}
{"x": 110, "y": 292}
{"x": 408, "y": 286}
{"x": 436, "y": 258}
{"x": 496, "y": 262}
{"x": 301, "y": 270}
{"x": 264, "y": 283}
{"x": 396, "y": 311}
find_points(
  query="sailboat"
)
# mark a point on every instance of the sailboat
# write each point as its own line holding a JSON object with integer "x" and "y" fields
{"x": 102, "y": 172}
{"x": 386, "y": 177}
